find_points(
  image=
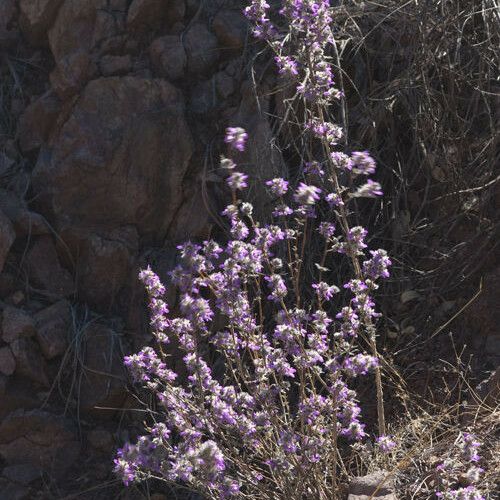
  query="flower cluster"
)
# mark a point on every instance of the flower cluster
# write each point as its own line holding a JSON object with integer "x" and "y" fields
{"x": 283, "y": 401}
{"x": 269, "y": 346}
{"x": 459, "y": 473}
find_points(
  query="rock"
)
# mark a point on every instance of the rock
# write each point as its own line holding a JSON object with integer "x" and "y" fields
{"x": 15, "y": 393}
{"x": 16, "y": 324}
{"x": 101, "y": 440}
{"x": 230, "y": 27}
{"x": 36, "y": 17}
{"x": 22, "y": 474}
{"x": 373, "y": 485}
{"x": 8, "y": 283}
{"x": 115, "y": 65}
{"x": 52, "y": 326}
{"x": 101, "y": 174}
{"x": 13, "y": 491}
{"x": 72, "y": 73}
{"x": 43, "y": 440}
{"x": 224, "y": 84}
{"x": 7, "y": 361}
{"x": 145, "y": 15}
{"x": 45, "y": 270}
{"x": 29, "y": 361}
{"x": 9, "y": 32}
{"x": 6, "y": 163}
{"x": 168, "y": 57}
{"x": 103, "y": 383}
{"x": 175, "y": 12}
{"x": 201, "y": 49}
{"x": 203, "y": 97}
{"x": 24, "y": 221}
{"x": 104, "y": 261}
{"x": 78, "y": 31}
{"x": 36, "y": 122}
{"x": 7, "y": 237}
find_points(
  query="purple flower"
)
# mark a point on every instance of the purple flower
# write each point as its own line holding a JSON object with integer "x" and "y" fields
{"x": 334, "y": 200}
{"x": 151, "y": 282}
{"x": 369, "y": 190}
{"x": 236, "y": 137}
{"x": 306, "y": 195}
{"x": 326, "y": 229}
{"x": 360, "y": 364}
{"x": 277, "y": 286}
{"x": 325, "y": 291}
{"x": 377, "y": 266}
{"x": 286, "y": 65}
{"x": 385, "y": 443}
{"x": 341, "y": 161}
{"x": 237, "y": 181}
{"x": 362, "y": 163}
{"x": 277, "y": 186}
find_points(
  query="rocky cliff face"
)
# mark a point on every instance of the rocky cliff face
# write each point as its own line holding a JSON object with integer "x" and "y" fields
{"x": 114, "y": 113}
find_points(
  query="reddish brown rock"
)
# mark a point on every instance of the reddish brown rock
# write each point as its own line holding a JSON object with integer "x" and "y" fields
{"x": 7, "y": 237}
{"x": 29, "y": 361}
{"x": 168, "y": 57}
{"x": 15, "y": 393}
{"x": 115, "y": 65}
{"x": 103, "y": 382}
{"x": 7, "y": 361}
{"x": 36, "y": 17}
{"x": 36, "y": 122}
{"x": 100, "y": 174}
{"x": 13, "y": 491}
{"x": 104, "y": 261}
{"x": 175, "y": 12}
{"x": 72, "y": 73}
{"x": 101, "y": 440}
{"x": 144, "y": 15}
{"x": 230, "y": 27}
{"x": 45, "y": 271}
{"x": 75, "y": 37}
{"x": 16, "y": 324}
{"x": 41, "y": 439}
{"x": 24, "y": 221}
{"x": 52, "y": 328}
{"x": 201, "y": 49}
{"x": 21, "y": 474}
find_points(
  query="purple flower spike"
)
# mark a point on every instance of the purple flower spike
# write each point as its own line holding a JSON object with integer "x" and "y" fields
{"x": 236, "y": 137}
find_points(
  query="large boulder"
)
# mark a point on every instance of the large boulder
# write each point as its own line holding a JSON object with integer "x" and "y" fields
{"x": 119, "y": 159}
